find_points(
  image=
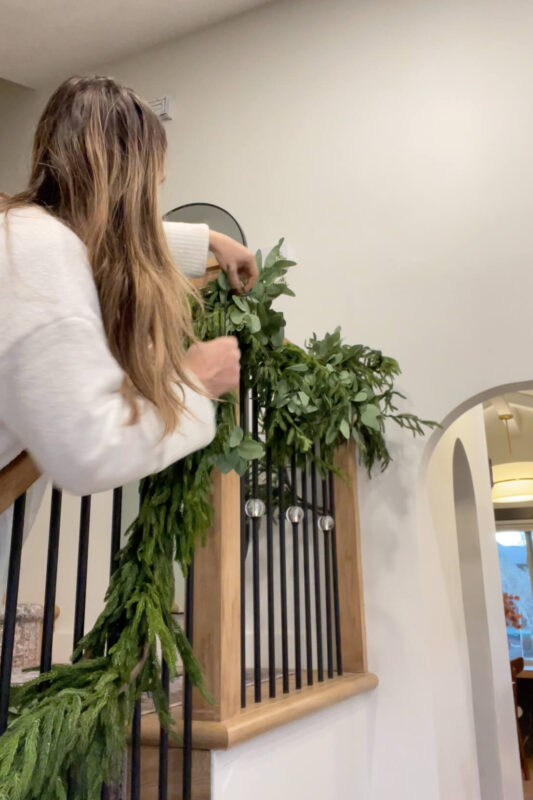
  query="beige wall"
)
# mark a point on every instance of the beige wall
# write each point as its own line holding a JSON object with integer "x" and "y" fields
{"x": 390, "y": 143}
{"x": 17, "y": 122}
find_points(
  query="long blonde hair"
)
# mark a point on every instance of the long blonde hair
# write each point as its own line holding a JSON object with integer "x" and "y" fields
{"x": 98, "y": 158}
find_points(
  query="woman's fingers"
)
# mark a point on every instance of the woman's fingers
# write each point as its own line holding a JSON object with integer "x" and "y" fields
{"x": 216, "y": 364}
{"x": 232, "y": 271}
{"x": 237, "y": 260}
{"x": 250, "y": 272}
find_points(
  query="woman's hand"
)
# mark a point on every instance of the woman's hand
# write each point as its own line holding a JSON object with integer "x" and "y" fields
{"x": 215, "y": 364}
{"x": 237, "y": 261}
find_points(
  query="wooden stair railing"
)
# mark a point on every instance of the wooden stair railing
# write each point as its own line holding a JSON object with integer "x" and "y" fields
{"x": 15, "y": 479}
{"x": 217, "y": 627}
{"x": 217, "y": 611}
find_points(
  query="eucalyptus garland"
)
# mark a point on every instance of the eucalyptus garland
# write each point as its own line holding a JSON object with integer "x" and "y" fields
{"x": 68, "y": 727}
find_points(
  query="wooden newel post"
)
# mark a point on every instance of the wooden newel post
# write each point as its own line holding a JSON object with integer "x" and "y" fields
{"x": 217, "y": 605}
{"x": 351, "y": 599}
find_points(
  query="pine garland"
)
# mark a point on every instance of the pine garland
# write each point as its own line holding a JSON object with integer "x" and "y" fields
{"x": 68, "y": 727}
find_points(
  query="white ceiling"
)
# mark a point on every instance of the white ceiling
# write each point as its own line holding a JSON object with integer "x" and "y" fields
{"x": 518, "y": 406}
{"x": 46, "y": 40}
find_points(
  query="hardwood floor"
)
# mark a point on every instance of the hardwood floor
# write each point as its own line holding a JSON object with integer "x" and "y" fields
{"x": 528, "y": 785}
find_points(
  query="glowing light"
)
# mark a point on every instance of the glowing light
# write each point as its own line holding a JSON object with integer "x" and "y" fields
{"x": 513, "y": 482}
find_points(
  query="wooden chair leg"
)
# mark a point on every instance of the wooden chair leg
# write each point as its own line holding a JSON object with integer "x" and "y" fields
{"x": 517, "y": 665}
{"x": 523, "y": 758}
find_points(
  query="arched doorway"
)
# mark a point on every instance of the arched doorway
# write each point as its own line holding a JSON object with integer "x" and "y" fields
{"x": 467, "y": 643}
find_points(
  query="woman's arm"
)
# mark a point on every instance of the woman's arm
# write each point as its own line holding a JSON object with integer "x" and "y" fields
{"x": 60, "y": 395}
{"x": 237, "y": 261}
{"x": 189, "y": 244}
{"x": 60, "y": 386}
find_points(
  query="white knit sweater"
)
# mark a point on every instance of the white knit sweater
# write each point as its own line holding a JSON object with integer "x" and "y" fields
{"x": 60, "y": 385}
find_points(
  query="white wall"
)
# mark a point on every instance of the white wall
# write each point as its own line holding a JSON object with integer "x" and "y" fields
{"x": 340, "y": 739}
{"x": 390, "y": 143}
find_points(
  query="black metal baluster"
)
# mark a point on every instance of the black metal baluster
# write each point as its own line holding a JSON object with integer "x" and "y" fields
{"x": 135, "y": 773}
{"x": 283, "y": 580}
{"x": 255, "y": 561}
{"x": 81, "y": 592}
{"x": 316, "y": 568}
{"x": 296, "y": 581}
{"x": 135, "y": 766}
{"x": 81, "y": 578}
{"x": 163, "y": 741}
{"x": 187, "y": 688}
{"x": 51, "y": 581}
{"x": 270, "y": 579}
{"x": 116, "y": 522}
{"x": 335, "y": 563}
{"x": 307, "y": 582}
{"x": 327, "y": 570}
{"x": 243, "y": 420}
{"x": 10, "y": 611}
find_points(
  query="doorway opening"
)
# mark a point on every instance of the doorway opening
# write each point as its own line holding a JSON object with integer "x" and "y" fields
{"x": 468, "y": 633}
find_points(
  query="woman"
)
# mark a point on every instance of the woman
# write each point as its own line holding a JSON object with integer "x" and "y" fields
{"x": 95, "y": 379}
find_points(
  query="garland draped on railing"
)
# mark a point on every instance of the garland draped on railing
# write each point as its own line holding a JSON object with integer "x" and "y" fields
{"x": 68, "y": 727}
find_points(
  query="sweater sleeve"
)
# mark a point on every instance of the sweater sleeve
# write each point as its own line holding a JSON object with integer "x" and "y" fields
{"x": 60, "y": 394}
{"x": 188, "y": 244}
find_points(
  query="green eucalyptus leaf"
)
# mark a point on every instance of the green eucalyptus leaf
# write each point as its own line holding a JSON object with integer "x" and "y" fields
{"x": 274, "y": 255}
{"x": 236, "y": 437}
{"x": 277, "y": 338}
{"x": 370, "y": 417}
{"x": 250, "y": 449}
{"x": 237, "y": 316}
{"x": 345, "y": 429}
{"x": 254, "y": 323}
{"x": 258, "y": 291}
{"x": 297, "y": 368}
{"x": 241, "y": 303}
{"x": 331, "y": 435}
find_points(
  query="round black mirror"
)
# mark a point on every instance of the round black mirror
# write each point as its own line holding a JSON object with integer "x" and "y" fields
{"x": 216, "y": 217}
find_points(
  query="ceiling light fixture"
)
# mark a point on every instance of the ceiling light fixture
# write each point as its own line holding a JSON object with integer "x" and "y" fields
{"x": 506, "y": 418}
{"x": 513, "y": 483}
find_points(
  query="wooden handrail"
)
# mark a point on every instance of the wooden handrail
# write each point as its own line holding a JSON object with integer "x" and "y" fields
{"x": 15, "y": 479}
{"x": 210, "y": 274}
